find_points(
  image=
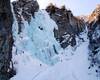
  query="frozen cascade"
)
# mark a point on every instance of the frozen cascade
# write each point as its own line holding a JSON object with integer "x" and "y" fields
{"x": 37, "y": 38}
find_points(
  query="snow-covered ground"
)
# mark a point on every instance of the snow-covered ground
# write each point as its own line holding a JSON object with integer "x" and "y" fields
{"x": 33, "y": 53}
{"x": 73, "y": 65}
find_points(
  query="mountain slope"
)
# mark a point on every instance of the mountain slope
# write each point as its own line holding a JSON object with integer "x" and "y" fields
{"x": 49, "y": 44}
{"x": 94, "y": 38}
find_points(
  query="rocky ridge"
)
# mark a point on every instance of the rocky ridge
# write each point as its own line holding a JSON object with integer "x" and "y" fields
{"x": 69, "y": 26}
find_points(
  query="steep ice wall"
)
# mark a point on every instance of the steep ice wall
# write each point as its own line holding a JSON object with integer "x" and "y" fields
{"x": 37, "y": 37}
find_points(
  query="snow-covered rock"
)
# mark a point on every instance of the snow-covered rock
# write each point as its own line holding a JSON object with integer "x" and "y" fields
{"x": 69, "y": 26}
{"x": 94, "y": 37}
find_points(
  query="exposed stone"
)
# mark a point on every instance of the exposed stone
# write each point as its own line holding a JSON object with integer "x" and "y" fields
{"x": 24, "y": 9}
{"x": 6, "y": 40}
{"x": 94, "y": 36}
{"x": 68, "y": 25}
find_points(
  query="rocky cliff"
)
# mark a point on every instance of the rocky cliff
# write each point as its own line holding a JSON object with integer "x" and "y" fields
{"x": 94, "y": 36}
{"x": 69, "y": 26}
{"x": 6, "y": 40}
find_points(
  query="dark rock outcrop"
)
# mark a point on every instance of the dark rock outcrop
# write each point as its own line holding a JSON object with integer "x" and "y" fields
{"x": 68, "y": 25}
{"x": 94, "y": 36}
{"x": 24, "y": 9}
{"x": 6, "y": 40}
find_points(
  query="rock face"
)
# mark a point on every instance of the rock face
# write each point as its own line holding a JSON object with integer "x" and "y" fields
{"x": 68, "y": 25}
{"x": 6, "y": 40}
{"x": 94, "y": 36}
{"x": 24, "y": 9}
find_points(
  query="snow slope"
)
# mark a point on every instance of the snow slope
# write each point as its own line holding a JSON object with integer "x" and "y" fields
{"x": 27, "y": 67}
{"x": 72, "y": 67}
